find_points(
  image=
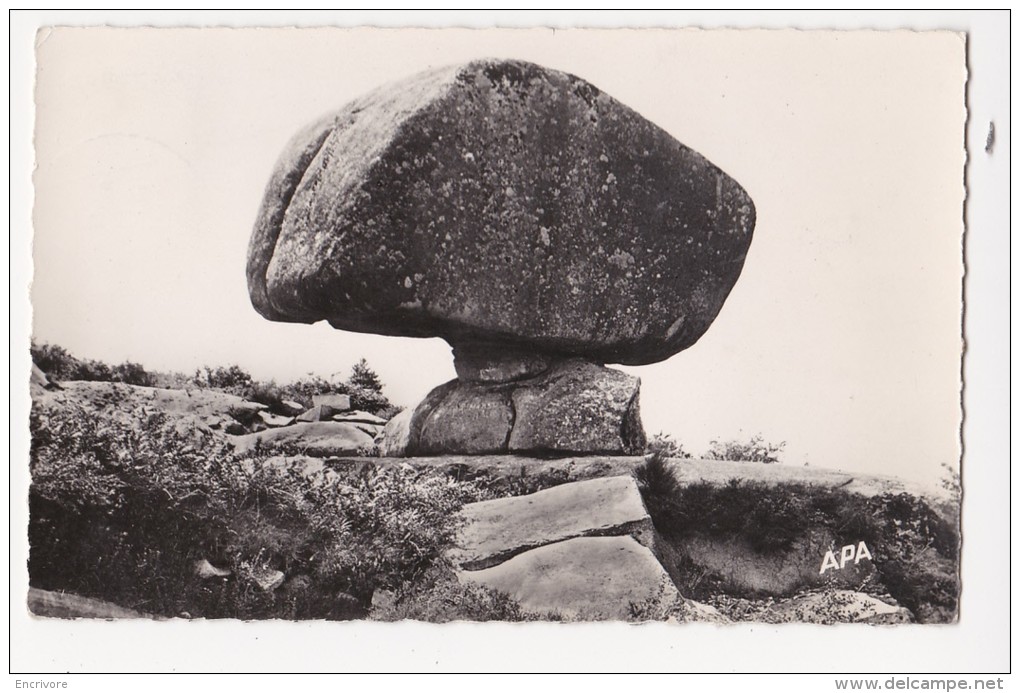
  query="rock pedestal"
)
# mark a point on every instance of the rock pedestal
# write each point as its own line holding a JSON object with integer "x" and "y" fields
{"x": 573, "y": 407}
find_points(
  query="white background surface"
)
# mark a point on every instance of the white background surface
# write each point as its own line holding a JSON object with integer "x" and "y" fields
{"x": 979, "y": 642}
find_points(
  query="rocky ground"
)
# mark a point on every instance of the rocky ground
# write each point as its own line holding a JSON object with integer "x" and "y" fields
{"x": 568, "y": 538}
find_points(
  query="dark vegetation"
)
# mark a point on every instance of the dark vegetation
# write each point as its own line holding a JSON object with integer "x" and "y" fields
{"x": 915, "y": 549}
{"x": 438, "y": 597}
{"x": 666, "y": 445}
{"x": 487, "y": 484}
{"x": 363, "y": 385}
{"x": 122, "y": 511}
{"x": 57, "y": 362}
{"x": 757, "y": 449}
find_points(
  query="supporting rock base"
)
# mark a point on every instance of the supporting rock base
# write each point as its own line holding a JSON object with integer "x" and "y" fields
{"x": 573, "y": 407}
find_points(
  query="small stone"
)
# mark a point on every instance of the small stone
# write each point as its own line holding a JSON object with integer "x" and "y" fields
{"x": 268, "y": 580}
{"x": 360, "y": 417}
{"x": 690, "y": 611}
{"x": 205, "y": 570}
{"x": 574, "y": 407}
{"x": 369, "y": 429}
{"x": 332, "y": 403}
{"x": 274, "y": 421}
{"x": 235, "y": 428}
{"x": 39, "y": 378}
{"x": 314, "y": 414}
{"x": 291, "y": 408}
{"x": 383, "y": 599}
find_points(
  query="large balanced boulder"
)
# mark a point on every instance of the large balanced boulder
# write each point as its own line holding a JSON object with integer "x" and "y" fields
{"x": 500, "y": 201}
{"x": 519, "y": 213}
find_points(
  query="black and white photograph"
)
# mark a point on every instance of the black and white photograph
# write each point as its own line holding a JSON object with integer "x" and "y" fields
{"x": 407, "y": 326}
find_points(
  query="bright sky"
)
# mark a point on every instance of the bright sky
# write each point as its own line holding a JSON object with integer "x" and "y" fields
{"x": 842, "y": 335}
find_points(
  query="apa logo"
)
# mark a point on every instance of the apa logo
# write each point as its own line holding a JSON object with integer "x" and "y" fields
{"x": 846, "y": 554}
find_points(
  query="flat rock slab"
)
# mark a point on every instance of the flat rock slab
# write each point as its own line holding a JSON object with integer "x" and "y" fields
{"x": 496, "y": 530}
{"x": 360, "y": 417}
{"x": 319, "y": 439}
{"x": 274, "y": 420}
{"x": 587, "y": 578}
{"x": 63, "y": 605}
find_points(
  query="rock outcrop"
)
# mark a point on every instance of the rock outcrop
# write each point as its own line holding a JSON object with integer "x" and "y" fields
{"x": 497, "y": 530}
{"x": 575, "y": 407}
{"x": 521, "y": 214}
{"x": 319, "y": 439}
{"x": 578, "y": 551}
{"x": 588, "y": 578}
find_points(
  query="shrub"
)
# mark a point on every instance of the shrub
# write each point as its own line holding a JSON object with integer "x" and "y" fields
{"x": 440, "y": 598}
{"x": 754, "y": 450}
{"x": 121, "y": 510}
{"x": 661, "y": 490}
{"x": 173, "y": 380}
{"x": 303, "y": 390}
{"x": 487, "y": 484}
{"x": 667, "y": 445}
{"x": 364, "y": 378}
{"x": 269, "y": 394}
{"x": 132, "y": 374}
{"x": 915, "y": 550}
{"x": 363, "y": 386}
{"x": 59, "y": 364}
{"x": 90, "y": 369}
{"x": 223, "y": 378}
{"x": 54, "y": 360}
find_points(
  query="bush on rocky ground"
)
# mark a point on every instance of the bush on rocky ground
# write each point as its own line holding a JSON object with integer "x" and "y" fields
{"x": 757, "y": 449}
{"x": 438, "y": 597}
{"x": 485, "y": 484}
{"x": 915, "y": 549}
{"x": 123, "y": 511}
{"x": 363, "y": 385}
{"x": 60, "y": 364}
{"x": 667, "y": 445}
